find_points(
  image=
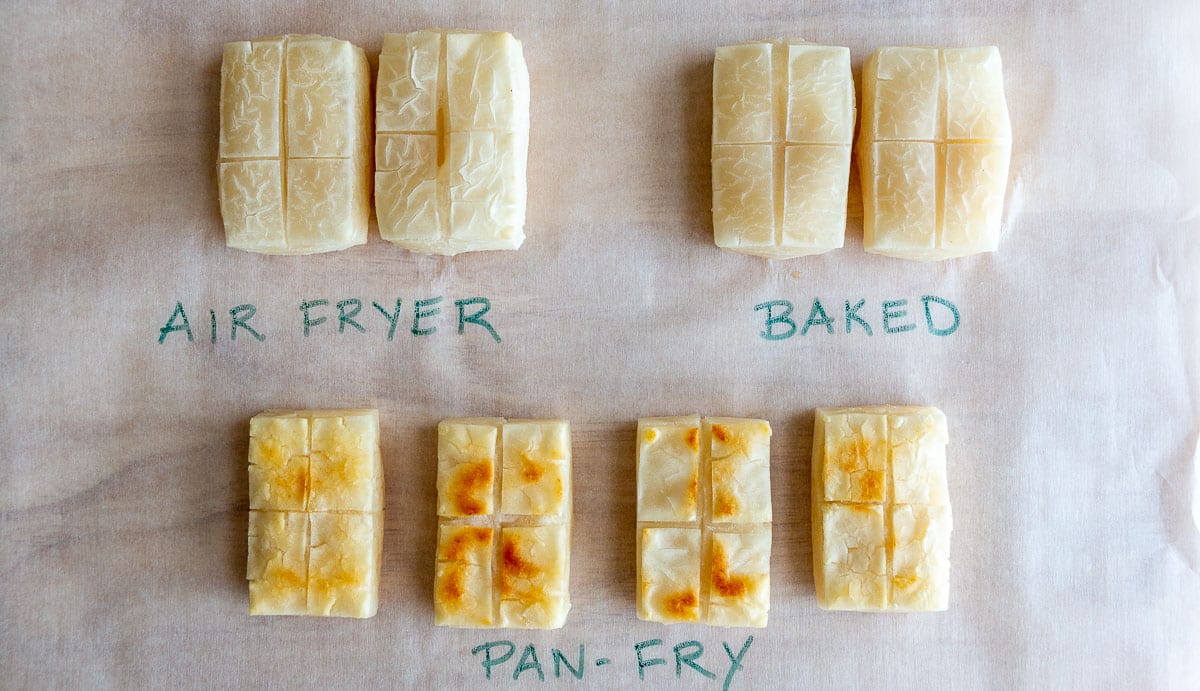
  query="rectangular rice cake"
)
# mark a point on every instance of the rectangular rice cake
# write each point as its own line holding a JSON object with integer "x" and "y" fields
{"x": 880, "y": 509}
{"x": 504, "y": 523}
{"x": 704, "y": 520}
{"x": 933, "y": 151}
{"x": 316, "y": 513}
{"x": 783, "y": 121}
{"x": 294, "y": 159}
{"x": 452, "y": 135}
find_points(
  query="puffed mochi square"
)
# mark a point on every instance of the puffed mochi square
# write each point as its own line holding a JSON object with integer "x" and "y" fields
{"x": 504, "y": 523}
{"x": 316, "y": 512}
{"x": 881, "y": 510}
{"x": 294, "y": 155}
{"x": 783, "y": 121}
{"x": 452, "y": 139}
{"x": 704, "y": 512}
{"x": 933, "y": 151}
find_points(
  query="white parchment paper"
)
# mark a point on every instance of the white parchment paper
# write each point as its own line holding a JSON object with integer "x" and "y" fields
{"x": 1071, "y": 383}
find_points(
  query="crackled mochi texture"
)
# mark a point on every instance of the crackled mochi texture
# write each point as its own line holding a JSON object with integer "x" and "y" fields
{"x": 933, "y": 151}
{"x": 316, "y": 513}
{"x": 452, "y": 135}
{"x": 783, "y": 121}
{"x": 504, "y": 523}
{"x": 881, "y": 511}
{"x": 295, "y": 145}
{"x": 277, "y": 562}
{"x": 704, "y": 520}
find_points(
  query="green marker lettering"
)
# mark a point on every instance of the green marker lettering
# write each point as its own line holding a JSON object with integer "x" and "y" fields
{"x": 889, "y": 314}
{"x": 528, "y": 661}
{"x": 689, "y": 659}
{"x": 933, "y": 299}
{"x": 772, "y": 319}
{"x": 852, "y": 316}
{"x": 419, "y": 313}
{"x": 817, "y": 317}
{"x": 558, "y": 658}
{"x": 476, "y": 318}
{"x": 240, "y": 315}
{"x": 347, "y": 317}
{"x": 643, "y": 663}
{"x": 735, "y": 662}
{"x": 393, "y": 318}
{"x": 308, "y": 321}
{"x": 172, "y": 326}
{"x": 488, "y": 661}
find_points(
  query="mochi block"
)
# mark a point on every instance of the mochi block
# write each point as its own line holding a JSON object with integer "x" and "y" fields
{"x": 294, "y": 159}
{"x": 783, "y": 121}
{"x": 933, "y": 151}
{"x": 704, "y": 520}
{"x": 451, "y": 143}
{"x": 316, "y": 513}
{"x": 504, "y": 523}
{"x": 881, "y": 510}
{"x": 277, "y": 562}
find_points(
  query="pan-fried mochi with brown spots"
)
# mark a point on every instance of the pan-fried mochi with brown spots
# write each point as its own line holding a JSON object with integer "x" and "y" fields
{"x": 881, "y": 509}
{"x": 704, "y": 520}
{"x": 504, "y": 523}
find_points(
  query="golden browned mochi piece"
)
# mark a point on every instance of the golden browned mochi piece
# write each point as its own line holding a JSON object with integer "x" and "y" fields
{"x": 277, "y": 562}
{"x": 294, "y": 164}
{"x": 452, "y": 135}
{"x": 783, "y": 120}
{"x": 504, "y": 523}
{"x": 704, "y": 520}
{"x": 933, "y": 151}
{"x": 316, "y": 512}
{"x": 881, "y": 514}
